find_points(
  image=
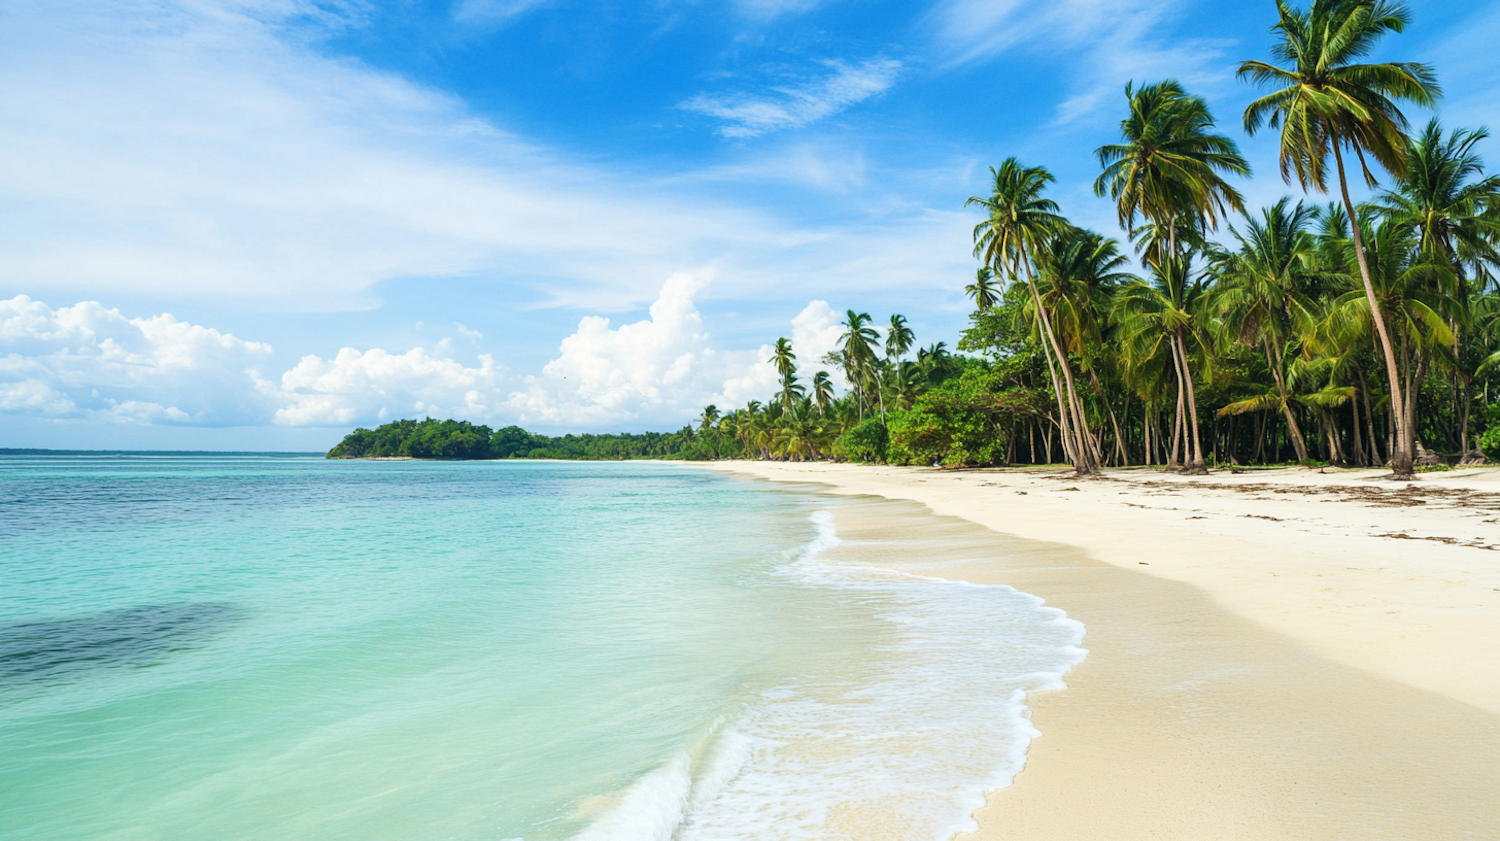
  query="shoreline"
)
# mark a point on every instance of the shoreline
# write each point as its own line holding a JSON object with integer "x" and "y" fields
{"x": 1308, "y": 656}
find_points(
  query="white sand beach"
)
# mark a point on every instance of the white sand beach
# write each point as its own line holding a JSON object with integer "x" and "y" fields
{"x": 1273, "y": 654}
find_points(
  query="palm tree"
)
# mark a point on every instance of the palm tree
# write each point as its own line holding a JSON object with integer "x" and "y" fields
{"x": 898, "y": 339}
{"x": 786, "y": 367}
{"x": 1445, "y": 197}
{"x": 1160, "y": 314}
{"x": 1326, "y": 102}
{"x": 983, "y": 290}
{"x": 1261, "y": 293}
{"x": 906, "y": 382}
{"x": 1170, "y": 168}
{"x": 1077, "y": 273}
{"x": 707, "y": 428}
{"x": 1020, "y": 221}
{"x": 857, "y": 354}
{"x": 1417, "y": 292}
{"x": 822, "y": 391}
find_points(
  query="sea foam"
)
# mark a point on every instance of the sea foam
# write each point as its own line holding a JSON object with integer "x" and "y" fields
{"x": 903, "y": 744}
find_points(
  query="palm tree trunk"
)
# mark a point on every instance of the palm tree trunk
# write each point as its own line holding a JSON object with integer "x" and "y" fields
{"x": 1072, "y": 440}
{"x": 1197, "y": 465}
{"x": 1177, "y": 414}
{"x": 1298, "y": 443}
{"x": 1413, "y": 391}
{"x": 1357, "y": 445}
{"x": 1401, "y": 453}
{"x": 1364, "y": 390}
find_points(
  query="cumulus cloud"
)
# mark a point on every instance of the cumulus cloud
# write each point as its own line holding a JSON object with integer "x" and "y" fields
{"x": 375, "y": 385}
{"x": 86, "y": 361}
{"x": 815, "y": 332}
{"x": 749, "y": 115}
{"x": 662, "y": 369}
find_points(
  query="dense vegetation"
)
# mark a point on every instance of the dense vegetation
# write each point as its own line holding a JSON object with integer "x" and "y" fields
{"x": 1353, "y": 334}
{"x": 452, "y": 439}
{"x": 1215, "y": 333}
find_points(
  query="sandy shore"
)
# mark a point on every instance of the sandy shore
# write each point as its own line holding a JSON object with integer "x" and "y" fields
{"x": 1280, "y": 654}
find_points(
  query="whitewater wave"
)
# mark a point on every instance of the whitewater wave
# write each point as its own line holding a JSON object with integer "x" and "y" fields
{"x": 902, "y": 744}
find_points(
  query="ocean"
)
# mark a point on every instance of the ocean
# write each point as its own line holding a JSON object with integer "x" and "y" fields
{"x": 243, "y": 647}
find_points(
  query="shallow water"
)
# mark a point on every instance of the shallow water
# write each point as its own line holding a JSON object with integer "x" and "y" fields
{"x": 252, "y": 648}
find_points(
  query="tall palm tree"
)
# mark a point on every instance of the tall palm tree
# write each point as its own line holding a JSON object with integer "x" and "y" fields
{"x": 984, "y": 290}
{"x": 786, "y": 366}
{"x": 1019, "y": 222}
{"x": 1445, "y": 196}
{"x": 1261, "y": 293}
{"x": 1326, "y": 102}
{"x": 898, "y": 339}
{"x": 1171, "y": 170}
{"x": 1171, "y": 167}
{"x": 1077, "y": 274}
{"x": 857, "y": 353}
{"x": 1162, "y": 314}
{"x": 1416, "y": 291}
{"x": 822, "y": 391}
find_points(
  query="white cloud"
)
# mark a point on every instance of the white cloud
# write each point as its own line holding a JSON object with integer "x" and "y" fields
{"x": 191, "y": 151}
{"x": 86, "y": 361}
{"x": 468, "y": 333}
{"x": 660, "y": 370}
{"x": 747, "y": 115}
{"x": 815, "y": 332}
{"x": 358, "y": 386}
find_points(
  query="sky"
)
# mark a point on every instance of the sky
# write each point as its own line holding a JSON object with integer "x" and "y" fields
{"x": 258, "y": 224}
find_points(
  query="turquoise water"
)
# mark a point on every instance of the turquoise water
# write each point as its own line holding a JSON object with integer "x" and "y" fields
{"x": 273, "y": 648}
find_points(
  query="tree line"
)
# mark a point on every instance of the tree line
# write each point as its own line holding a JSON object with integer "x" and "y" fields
{"x": 1351, "y": 334}
{"x": 462, "y": 440}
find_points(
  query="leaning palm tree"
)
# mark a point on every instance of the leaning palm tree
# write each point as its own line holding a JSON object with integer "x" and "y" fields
{"x": 1171, "y": 167}
{"x": 1326, "y": 103}
{"x": 984, "y": 290}
{"x": 1019, "y": 222}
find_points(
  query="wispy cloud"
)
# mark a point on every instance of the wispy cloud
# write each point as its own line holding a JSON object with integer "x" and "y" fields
{"x": 1097, "y": 46}
{"x": 793, "y": 106}
{"x": 493, "y": 11}
{"x": 199, "y": 156}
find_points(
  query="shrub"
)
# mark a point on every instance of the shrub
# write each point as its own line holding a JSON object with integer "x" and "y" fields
{"x": 866, "y": 442}
{"x": 1489, "y": 443}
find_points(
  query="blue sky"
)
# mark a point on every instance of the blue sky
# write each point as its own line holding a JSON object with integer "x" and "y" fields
{"x": 259, "y": 224}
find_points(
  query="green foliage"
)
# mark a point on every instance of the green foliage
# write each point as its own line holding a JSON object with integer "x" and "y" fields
{"x": 452, "y": 439}
{"x": 965, "y": 421}
{"x": 866, "y": 442}
{"x": 1489, "y": 443}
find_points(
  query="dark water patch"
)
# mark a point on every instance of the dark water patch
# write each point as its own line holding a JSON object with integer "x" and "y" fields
{"x": 53, "y": 650}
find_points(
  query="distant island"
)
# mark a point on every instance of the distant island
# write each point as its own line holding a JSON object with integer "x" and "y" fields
{"x": 461, "y": 440}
